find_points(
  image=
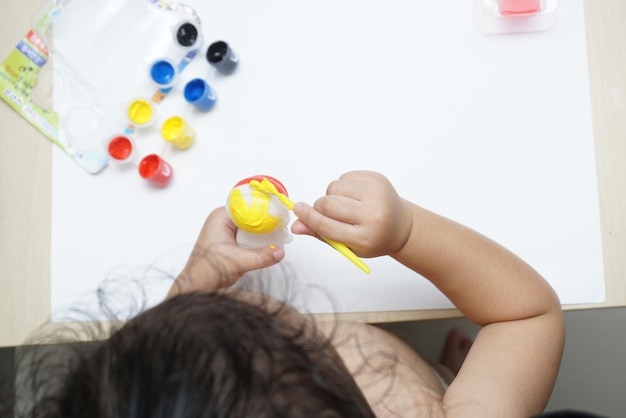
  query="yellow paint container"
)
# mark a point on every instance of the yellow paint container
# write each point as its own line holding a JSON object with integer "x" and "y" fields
{"x": 141, "y": 112}
{"x": 178, "y": 132}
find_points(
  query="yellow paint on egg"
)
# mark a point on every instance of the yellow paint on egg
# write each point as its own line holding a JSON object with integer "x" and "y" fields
{"x": 252, "y": 217}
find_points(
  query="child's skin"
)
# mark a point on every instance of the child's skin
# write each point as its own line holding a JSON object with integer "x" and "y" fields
{"x": 512, "y": 365}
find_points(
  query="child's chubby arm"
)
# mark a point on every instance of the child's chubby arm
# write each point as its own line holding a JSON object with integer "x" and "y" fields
{"x": 512, "y": 366}
{"x": 217, "y": 261}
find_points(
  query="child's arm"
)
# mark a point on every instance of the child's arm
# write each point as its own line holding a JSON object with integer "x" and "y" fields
{"x": 512, "y": 366}
{"x": 217, "y": 261}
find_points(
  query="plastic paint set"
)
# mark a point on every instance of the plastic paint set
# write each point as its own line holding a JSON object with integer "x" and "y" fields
{"x": 100, "y": 112}
{"x": 175, "y": 130}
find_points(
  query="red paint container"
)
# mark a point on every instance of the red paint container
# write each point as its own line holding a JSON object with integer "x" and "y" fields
{"x": 156, "y": 170}
{"x": 121, "y": 148}
{"x": 517, "y": 7}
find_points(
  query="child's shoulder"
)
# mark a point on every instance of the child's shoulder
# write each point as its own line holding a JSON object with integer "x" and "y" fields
{"x": 393, "y": 377}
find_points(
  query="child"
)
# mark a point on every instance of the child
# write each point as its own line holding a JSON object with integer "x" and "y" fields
{"x": 208, "y": 351}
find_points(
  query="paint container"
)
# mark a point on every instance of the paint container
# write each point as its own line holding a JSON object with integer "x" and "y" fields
{"x": 163, "y": 72}
{"x": 518, "y": 7}
{"x": 178, "y": 132}
{"x": 156, "y": 170}
{"x": 121, "y": 148}
{"x": 141, "y": 112}
{"x": 222, "y": 57}
{"x": 187, "y": 35}
{"x": 514, "y": 16}
{"x": 200, "y": 94}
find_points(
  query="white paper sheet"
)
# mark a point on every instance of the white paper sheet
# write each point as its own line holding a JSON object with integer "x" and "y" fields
{"x": 492, "y": 131}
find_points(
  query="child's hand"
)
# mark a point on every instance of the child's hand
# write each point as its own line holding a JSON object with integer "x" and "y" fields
{"x": 361, "y": 210}
{"x": 217, "y": 260}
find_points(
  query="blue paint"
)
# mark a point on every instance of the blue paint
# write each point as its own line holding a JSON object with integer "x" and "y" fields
{"x": 200, "y": 94}
{"x": 163, "y": 73}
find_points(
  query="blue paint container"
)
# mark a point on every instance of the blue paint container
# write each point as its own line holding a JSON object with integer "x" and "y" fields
{"x": 200, "y": 94}
{"x": 163, "y": 72}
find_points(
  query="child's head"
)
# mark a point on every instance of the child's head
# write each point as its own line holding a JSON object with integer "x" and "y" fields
{"x": 209, "y": 355}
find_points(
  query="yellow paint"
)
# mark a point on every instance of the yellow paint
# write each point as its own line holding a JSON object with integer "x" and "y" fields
{"x": 140, "y": 112}
{"x": 347, "y": 252}
{"x": 266, "y": 186}
{"x": 178, "y": 132}
{"x": 253, "y": 217}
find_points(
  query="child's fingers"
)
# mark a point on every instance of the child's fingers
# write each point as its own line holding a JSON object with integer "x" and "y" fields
{"x": 320, "y": 224}
{"x": 269, "y": 256}
{"x": 339, "y": 208}
{"x": 345, "y": 186}
{"x": 300, "y": 228}
{"x": 258, "y": 258}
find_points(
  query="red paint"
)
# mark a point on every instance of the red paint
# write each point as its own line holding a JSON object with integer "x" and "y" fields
{"x": 154, "y": 169}
{"x": 279, "y": 186}
{"x": 514, "y": 7}
{"x": 120, "y": 147}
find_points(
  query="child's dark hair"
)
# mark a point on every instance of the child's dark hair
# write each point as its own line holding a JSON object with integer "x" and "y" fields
{"x": 200, "y": 355}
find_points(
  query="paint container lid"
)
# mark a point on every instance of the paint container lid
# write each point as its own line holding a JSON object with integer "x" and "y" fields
{"x": 121, "y": 148}
{"x": 141, "y": 112}
{"x": 187, "y": 35}
{"x": 163, "y": 72}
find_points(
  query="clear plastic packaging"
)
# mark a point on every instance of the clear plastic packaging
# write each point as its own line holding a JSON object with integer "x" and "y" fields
{"x": 114, "y": 61}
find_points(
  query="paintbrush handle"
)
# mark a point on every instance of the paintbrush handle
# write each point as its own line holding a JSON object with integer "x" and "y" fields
{"x": 347, "y": 252}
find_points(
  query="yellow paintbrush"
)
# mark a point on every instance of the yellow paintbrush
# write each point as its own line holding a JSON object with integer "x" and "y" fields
{"x": 266, "y": 186}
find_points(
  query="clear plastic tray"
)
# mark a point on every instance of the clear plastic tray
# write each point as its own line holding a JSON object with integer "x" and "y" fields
{"x": 102, "y": 55}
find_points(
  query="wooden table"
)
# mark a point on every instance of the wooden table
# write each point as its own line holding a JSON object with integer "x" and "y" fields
{"x": 25, "y": 185}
